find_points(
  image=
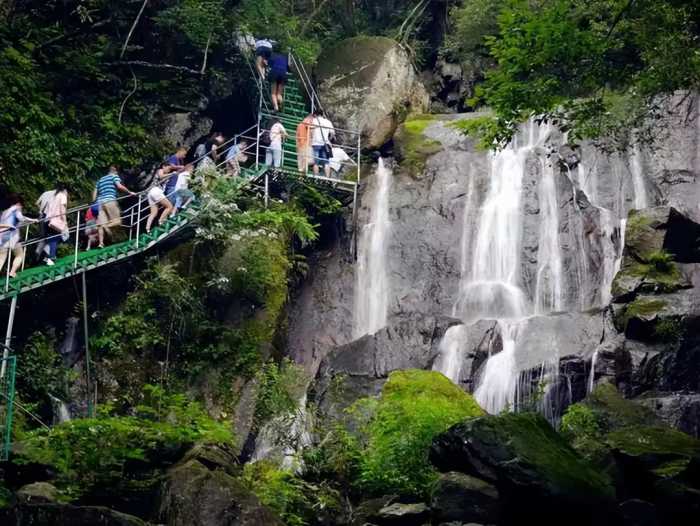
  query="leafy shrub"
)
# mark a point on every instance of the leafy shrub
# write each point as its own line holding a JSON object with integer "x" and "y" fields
{"x": 296, "y": 501}
{"x": 98, "y": 452}
{"x": 280, "y": 388}
{"x": 580, "y": 427}
{"x": 414, "y": 407}
{"x": 40, "y": 372}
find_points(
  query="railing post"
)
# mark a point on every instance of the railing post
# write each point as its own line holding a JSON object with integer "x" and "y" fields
{"x": 8, "y": 264}
{"x": 8, "y": 335}
{"x": 138, "y": 222}
{"x": 257, "y": 144}
{"x": 267, "y": 186}
{"x": 77, "y": 239}
{"x": 24, "y": 247}
{"x": 131, "y": 224}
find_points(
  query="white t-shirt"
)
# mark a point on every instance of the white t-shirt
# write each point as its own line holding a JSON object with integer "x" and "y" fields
{"x": 183, "y": 179}
{"x": 339, "y": 157}
{"x": 277, "y": 132}
{"x": 322, "y": 131}
{"x": 44, "y": 200}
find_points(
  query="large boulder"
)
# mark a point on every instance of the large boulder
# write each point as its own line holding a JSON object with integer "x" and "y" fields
{"x": 460, "y": 497}
{"x": 65, "y": 514}
{"x": 203, "y": 491}
{"x": 408, "y": 342}
{"x": 538, "y": 475}
{"x": 368, "y": 84}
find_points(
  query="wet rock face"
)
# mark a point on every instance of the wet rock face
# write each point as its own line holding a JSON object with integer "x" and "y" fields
{"x": 367, "y": 84}
{"x": 462, "y": 498}
{"x": 408, "y": 342}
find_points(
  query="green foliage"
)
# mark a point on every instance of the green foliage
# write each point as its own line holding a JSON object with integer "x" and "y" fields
{"x": 668, "y": 330}
{"x": 661, "y": 261}
{"x": 40, "y": 371}
{"x": 203, "y": 22}
{"x": 295, "y": 500}
{"x": 415, "y": 406}
{"x": 98, "y": 452}
{"x": 597, "y": 67}
{"x": 580, "y": 427}
{"x": 280, "y": 386}
{"x": 161, "y": 306}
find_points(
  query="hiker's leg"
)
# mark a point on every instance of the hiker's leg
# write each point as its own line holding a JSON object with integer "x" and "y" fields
{"x": 151, "y": 216}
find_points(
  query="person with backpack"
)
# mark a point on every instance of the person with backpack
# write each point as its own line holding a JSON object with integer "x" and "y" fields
{"x": 10, "y": 242}
{"x": 57, "y": 221}
{"x": 322, "y": 133}
{"x": 42, "y": 203}
{"x": 277, "y": 134}
{"x": 279, "y": 68}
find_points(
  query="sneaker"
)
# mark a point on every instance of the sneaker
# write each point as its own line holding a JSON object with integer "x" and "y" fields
{"x": 49, "y": 262}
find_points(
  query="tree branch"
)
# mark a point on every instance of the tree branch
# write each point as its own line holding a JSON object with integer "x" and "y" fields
{"x": 136, "y": 86}
{"x": 313, "y": 15}
{"x": 144, "y": 64}
{"x": 206, "y": 54}
{"x": 58, "y": 38}
{"x": 133, "y": 26}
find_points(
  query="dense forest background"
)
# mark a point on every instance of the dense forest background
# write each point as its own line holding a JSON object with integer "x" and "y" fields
{"x": 87, "y": 83}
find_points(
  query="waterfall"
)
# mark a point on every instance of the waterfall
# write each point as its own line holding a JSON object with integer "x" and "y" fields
{"x": 498, "y": 383}
{"x": 372, "y": 286}
{"x": 591, "y": 376}
{"x": 490, "y": 286}
{"x": 61, "y": 412}
{"x": 449, "y": 361}
{"x": 641, "y": 199}
{"x": 550, "y": 277}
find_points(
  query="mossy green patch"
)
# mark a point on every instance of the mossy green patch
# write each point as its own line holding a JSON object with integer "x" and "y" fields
{"x": 415, "y": 406}
{"x": 655, "y": 440}
{"x": 644, "y": 308}
{"x": 413, "y": 146}
{"x": 657, "y": 272}
{"x": 539, "y": 449}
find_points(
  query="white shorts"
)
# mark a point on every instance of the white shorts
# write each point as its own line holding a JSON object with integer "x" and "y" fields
{"x": 155, "y": 195}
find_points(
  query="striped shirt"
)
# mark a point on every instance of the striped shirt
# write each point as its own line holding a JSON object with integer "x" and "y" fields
{"x": 107, "y": 187}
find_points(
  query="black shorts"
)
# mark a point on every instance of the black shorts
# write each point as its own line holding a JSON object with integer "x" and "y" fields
{"x": 264, "y": 52}
{"x": 278, "y": 76}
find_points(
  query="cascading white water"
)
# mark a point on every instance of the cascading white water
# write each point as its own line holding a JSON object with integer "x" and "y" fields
{"x": 498, "y": 383}
{"x": 61, "y": 412}
{"x": 641, "y": 199}
{"x": 549, "y": 288}
{"x": 371, "y": 280}
{"x": 449, "y": 361}
{"x": 490, "y": 287}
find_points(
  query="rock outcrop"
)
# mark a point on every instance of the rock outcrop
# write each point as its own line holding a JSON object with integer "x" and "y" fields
{"x": 369, "y": 84}
{"x": 538, "y": 475}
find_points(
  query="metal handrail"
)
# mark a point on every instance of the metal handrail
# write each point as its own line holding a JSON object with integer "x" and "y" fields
{"x": 306, "y": 82}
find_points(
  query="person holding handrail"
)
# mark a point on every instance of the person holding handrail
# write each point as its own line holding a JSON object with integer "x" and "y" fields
{"x": 105, "y": 194}
{"x": 57, "y": 222}
{"x": 273, "y": 156}
{"x": 303, "y": 143}
{"x": 42, "y": 204}
{"x": 156, "y": 200}
{"x": 322, "y": 134}
{"x": 10, "y": 241}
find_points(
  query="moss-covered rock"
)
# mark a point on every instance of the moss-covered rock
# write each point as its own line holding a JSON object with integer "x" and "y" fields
{"x": 414, "y": 407}
{"x": 411, "y": 145}
{"x": 655, "y": 239}
{"x": 649, "y": 461}
{"x": 529, "y": 463}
